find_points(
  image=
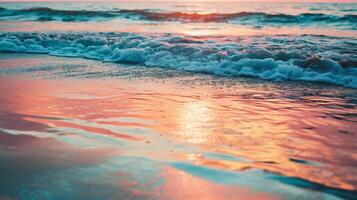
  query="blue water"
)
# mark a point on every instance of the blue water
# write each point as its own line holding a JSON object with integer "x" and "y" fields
{"x": 178, "y": 100}
{"x": 280, "y": 42}
{"x": 341, "y": 16}
{"x": 346, "y": 20}
{"x": 136, "y": 132}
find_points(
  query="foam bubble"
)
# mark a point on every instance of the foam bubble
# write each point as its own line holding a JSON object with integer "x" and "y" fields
{"x": 305, "y": 58}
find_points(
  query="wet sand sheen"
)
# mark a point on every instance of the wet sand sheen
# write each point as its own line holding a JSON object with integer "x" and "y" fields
{"x": 164, "y": 130}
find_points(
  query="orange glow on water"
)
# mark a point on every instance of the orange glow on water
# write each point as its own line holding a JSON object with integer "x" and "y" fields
{"x": 144, "y": 132}
{"x": 191, "y": 29}
{"x": 265, "y": 135}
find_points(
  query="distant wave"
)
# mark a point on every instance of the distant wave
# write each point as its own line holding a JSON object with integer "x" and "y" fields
{"x": 48, "y": 14}
{"x": 279, "y": 58}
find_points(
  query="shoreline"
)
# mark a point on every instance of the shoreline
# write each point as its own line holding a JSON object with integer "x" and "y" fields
{"x": 219, "y": 56}
{"x": 204, "y": 128}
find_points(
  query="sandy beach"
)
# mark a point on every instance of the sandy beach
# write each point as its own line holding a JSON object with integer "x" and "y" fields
{"x": 83, "y": 129}
{"x": 178, "y": 100}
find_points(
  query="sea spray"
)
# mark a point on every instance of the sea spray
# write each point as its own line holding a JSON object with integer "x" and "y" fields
{"x": 255, "y": 56}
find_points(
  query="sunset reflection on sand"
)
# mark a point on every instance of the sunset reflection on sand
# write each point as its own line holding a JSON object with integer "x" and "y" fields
{"x": 181, "y": 100}
{"x": 189, "y": 125}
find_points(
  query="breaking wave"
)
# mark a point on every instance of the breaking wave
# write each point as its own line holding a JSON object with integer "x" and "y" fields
{"x": 279, "y": 58}
{"x": 48, "y": 14}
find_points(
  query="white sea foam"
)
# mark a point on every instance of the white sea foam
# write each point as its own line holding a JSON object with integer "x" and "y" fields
{"x": 279, "y": 58}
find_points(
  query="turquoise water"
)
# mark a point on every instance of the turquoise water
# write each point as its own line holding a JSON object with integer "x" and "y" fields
{"x": 279, "y": 42}
{"x": 178, "y": 100}
{"x": 333, "y": 15}
{"x": 133, "y": 132}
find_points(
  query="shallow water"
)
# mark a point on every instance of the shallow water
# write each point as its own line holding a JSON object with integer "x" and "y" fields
{"x": 277, "y": 41}
{"x": 279, "y": 58}
{"x": 178, "y": 100}
{"x": 132, "y": 132}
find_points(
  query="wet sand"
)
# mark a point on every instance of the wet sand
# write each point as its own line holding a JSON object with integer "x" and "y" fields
{"x": 83, "y": 129}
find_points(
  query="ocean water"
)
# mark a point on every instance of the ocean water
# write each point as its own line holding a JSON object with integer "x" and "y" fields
{"x": 73, "y": 128}
{"x": 276, "y": 41}
{"x": 178, "y": 100}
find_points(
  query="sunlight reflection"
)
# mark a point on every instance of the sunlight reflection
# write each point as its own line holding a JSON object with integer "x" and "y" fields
{"x": 192, "y": 29}
{"x": 195, "y": 121}
{"x": 277, "y": 135}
